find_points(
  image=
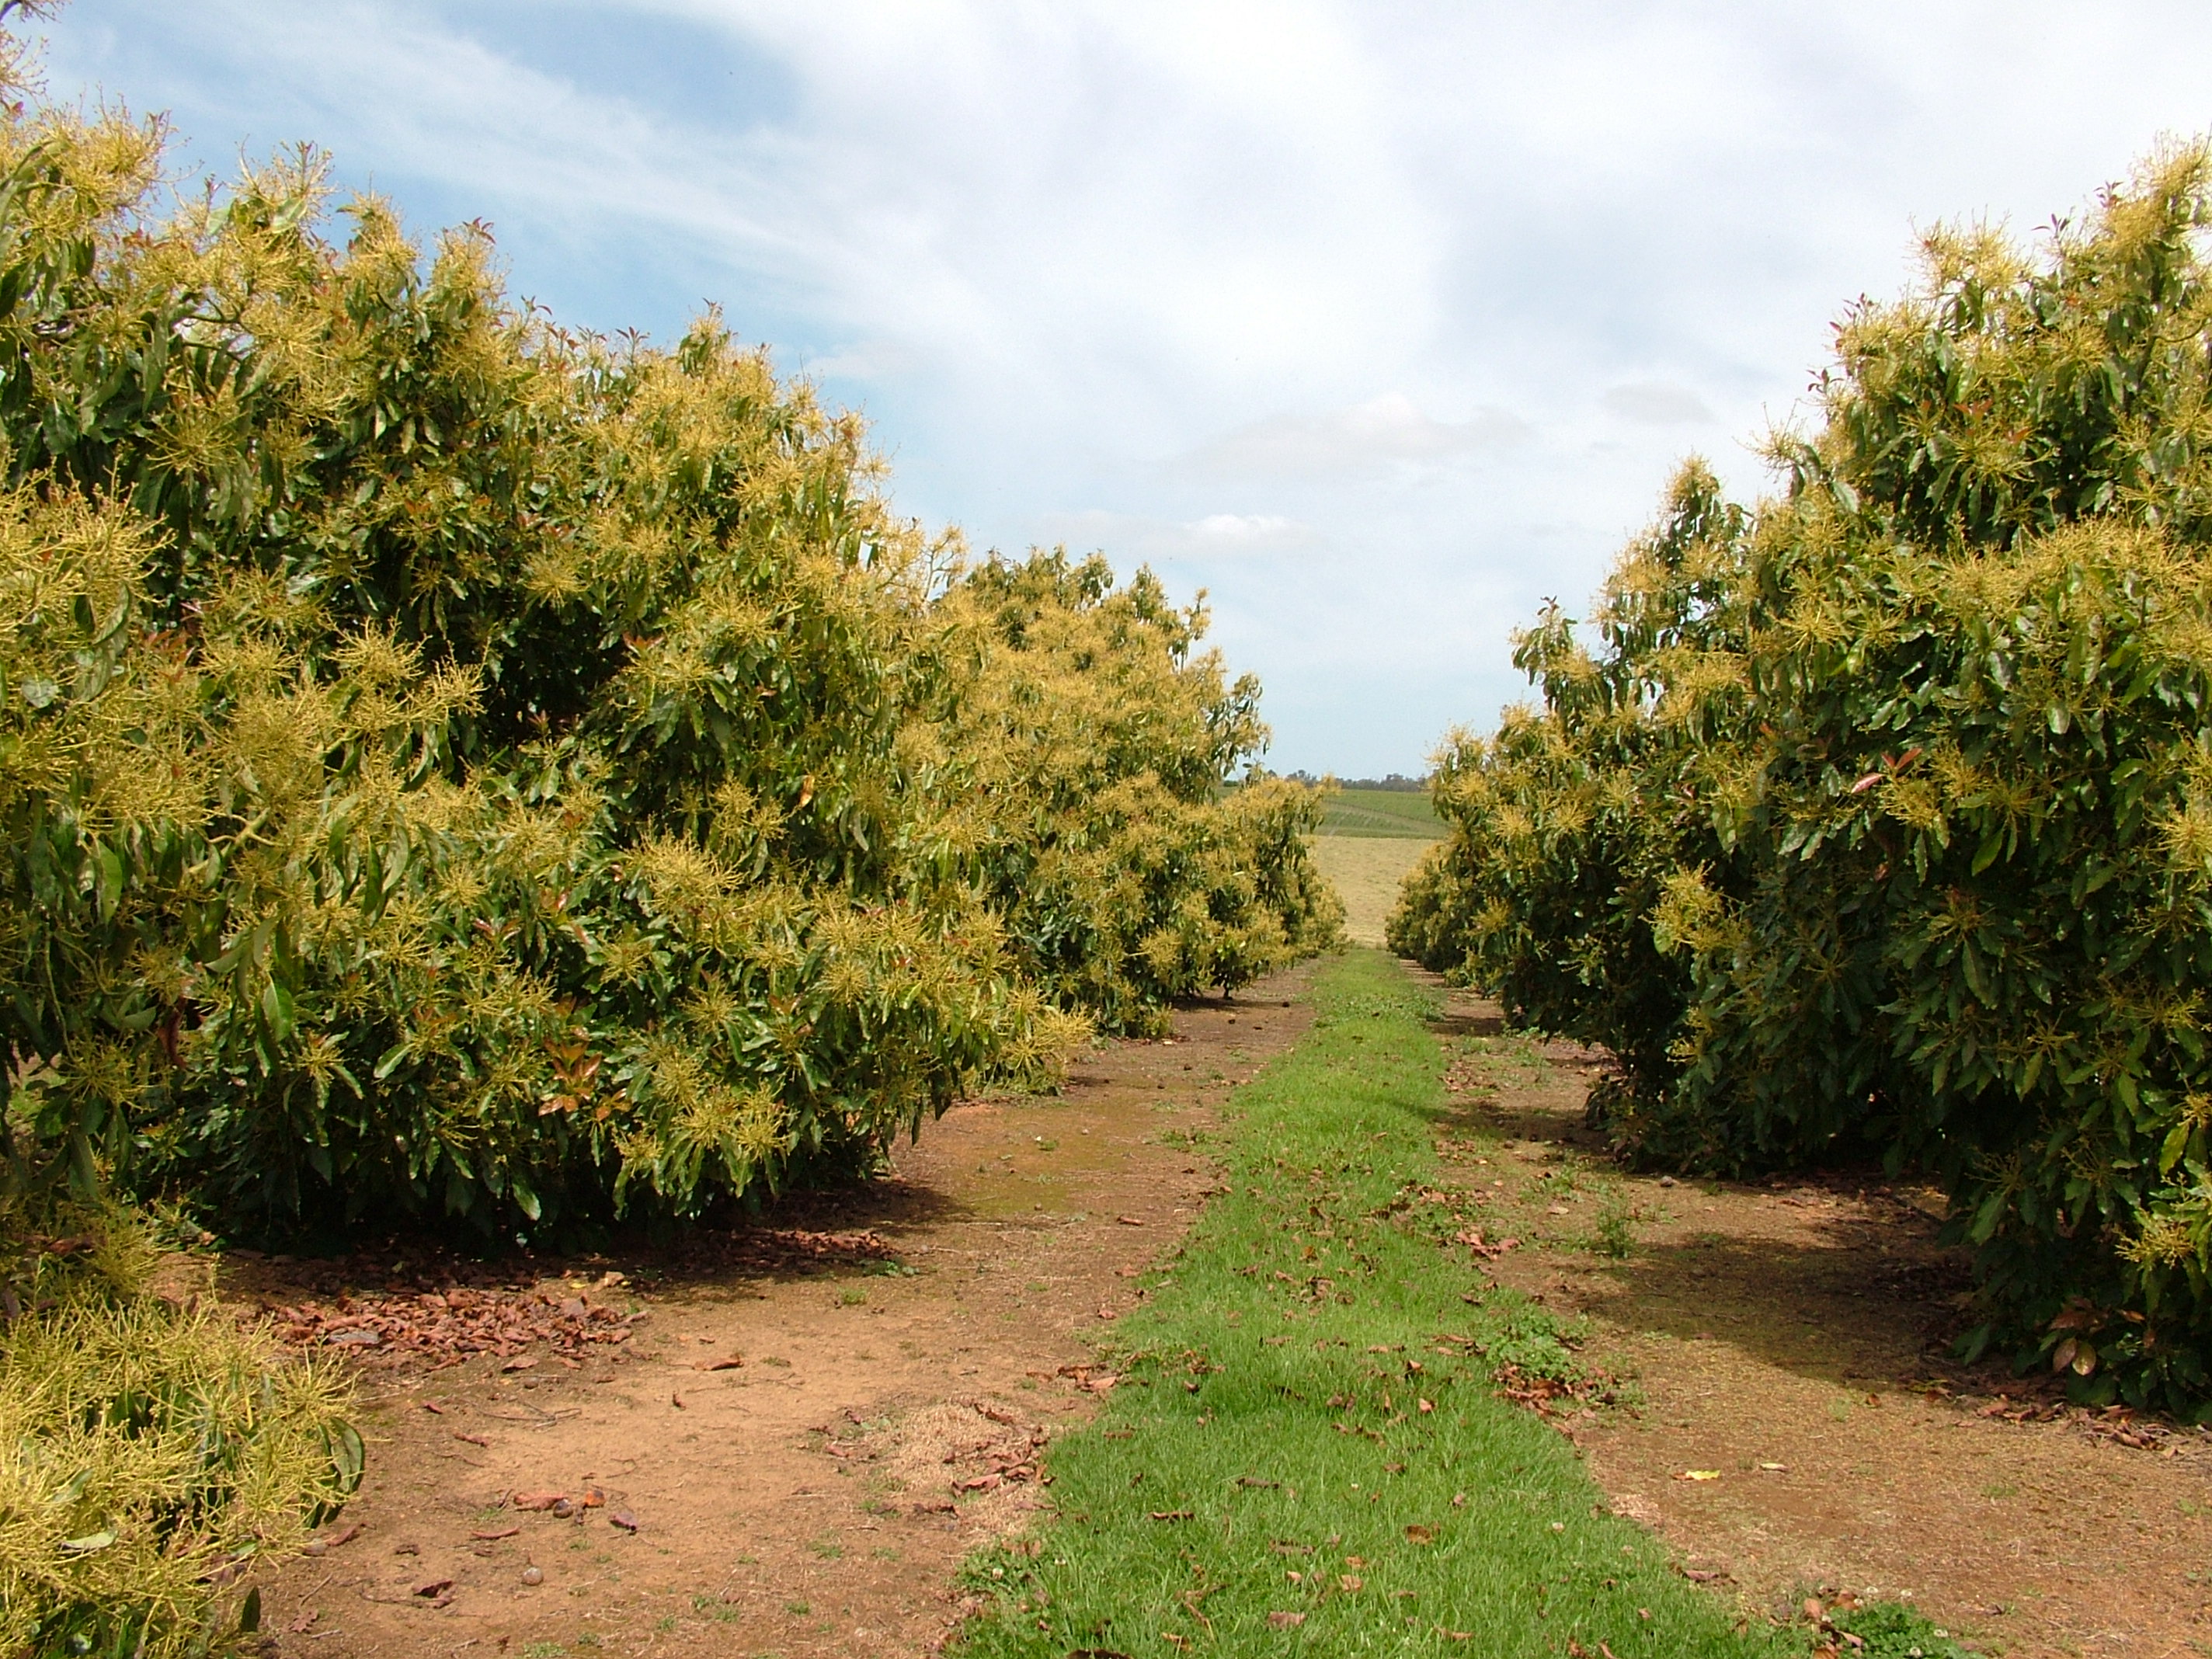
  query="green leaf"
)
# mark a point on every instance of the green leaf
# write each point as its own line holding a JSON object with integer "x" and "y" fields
{"x": 1989, "y": 852}
{"x": 2176, "y": 1143}
{"x": 277, "y": 1009}
{"x": 107, "y": 867}
{"x": 348, "y": 1456}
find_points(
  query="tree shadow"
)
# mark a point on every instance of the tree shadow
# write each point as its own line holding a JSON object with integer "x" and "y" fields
{"x": 1839, "y": 1308}
{"x": 1831, "y": 1274}
{"x": 1481, "y": 1021}
{"x": 1518, "y": 1116}
{"x": 823, "y": 1231}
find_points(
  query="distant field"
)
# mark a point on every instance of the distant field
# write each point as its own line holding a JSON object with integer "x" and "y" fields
{"x": 1381, "y": 812}
{"x": 1366, "y": 869}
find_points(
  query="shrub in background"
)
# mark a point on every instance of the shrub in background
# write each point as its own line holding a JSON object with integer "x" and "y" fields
{"x": 1085, "y": 752}
{"x": 1880, "y": 818}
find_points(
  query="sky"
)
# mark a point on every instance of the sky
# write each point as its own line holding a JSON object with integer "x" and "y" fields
{"x": 1380, "y": 321}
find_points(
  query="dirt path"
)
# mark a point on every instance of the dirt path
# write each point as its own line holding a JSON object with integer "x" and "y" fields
{"x": 787, "y": 1458}
{"x": 1789, "y": 1343}
{"x": 903, "y": 1356}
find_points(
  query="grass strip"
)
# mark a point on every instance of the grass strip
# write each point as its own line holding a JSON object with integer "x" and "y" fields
{"x": 1381, "y": 812}
{"x": 1306, "y": 1454}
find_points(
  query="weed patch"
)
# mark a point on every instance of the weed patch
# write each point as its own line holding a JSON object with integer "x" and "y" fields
{"x": 1883, "y": 1630}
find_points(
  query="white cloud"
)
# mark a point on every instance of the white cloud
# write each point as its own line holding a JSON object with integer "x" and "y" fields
{"x": 1384, "y": 429}
{"x": 1134, "y": 537}
{"x": 870, "y": 360}
{"x": 1657, "y": 402}
{"x": 1245, "y": 532}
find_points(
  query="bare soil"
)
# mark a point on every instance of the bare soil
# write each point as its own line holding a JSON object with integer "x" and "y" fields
{"x": 792, "y": 1449}
{"x": 814, "y": 1421}
{"x": 1800, "y": 1428}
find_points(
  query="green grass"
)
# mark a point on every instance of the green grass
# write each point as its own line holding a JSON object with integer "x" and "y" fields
{"x": 1381, "y": 812}
{"x": 1266, "y": 1481}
